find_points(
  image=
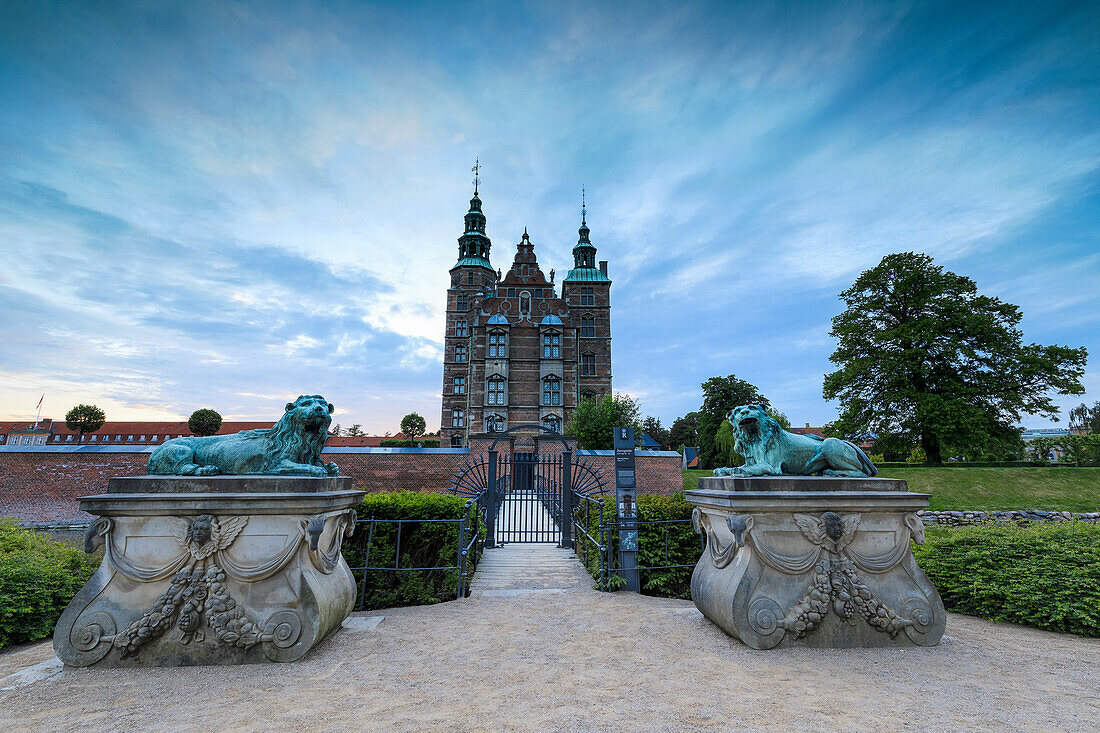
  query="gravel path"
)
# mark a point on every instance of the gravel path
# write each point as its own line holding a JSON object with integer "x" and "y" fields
{"x": 584, "y": 661}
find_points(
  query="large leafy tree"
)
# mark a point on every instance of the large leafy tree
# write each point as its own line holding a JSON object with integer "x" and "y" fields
{"x": 85, "y": 419}
{"x": 413, "y": 426}
{"x": 595, "y": 419}
{"x": 720, "y": 395}
{"x": 204, "y": 421}
{"x": 922, "y": 354}
{"x": 684, "y": 431}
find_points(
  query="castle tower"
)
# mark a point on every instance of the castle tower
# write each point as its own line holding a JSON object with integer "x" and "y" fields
{"x": 587, "y": 291}
{"x": 472, "y": 278}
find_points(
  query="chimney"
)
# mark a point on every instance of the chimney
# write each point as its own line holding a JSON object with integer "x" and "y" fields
{"x": 807, "y": 426}
{"x": 603, "y": 266}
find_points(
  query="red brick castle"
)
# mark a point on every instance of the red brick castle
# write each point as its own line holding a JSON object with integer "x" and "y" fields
{"x": 515, "y": 352}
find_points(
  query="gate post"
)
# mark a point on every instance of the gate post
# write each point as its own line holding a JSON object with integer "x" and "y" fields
{"x": 491, "y": 502}
{"x": 566, "y": 499}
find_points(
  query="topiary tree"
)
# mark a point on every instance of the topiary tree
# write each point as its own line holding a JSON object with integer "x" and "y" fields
{"x": 413, "y": 426}
{"x": 204, "y": 422}
{"x": 85, "y": 419}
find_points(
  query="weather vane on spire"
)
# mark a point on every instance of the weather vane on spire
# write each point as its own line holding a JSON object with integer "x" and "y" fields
{"x": 476, "y": 169}
{"x": 584, "y": 212}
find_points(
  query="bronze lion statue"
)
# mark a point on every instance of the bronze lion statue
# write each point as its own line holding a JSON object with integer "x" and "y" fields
{"x": 769, "y": 450}
{"x": 291, "y": 446}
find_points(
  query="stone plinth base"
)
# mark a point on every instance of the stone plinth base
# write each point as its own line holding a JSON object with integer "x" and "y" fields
{"x": 211, "y": 570}
{"x": 819, "y": 562}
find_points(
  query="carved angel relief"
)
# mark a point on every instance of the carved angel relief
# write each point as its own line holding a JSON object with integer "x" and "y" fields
{"x": 836, "y": 582}
{"x": 198, "y": 592}
{"x": 204, "y": 535}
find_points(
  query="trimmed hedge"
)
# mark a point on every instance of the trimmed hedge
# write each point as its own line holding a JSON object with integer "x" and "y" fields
{"x": 423, "y": 544}
{"x": 38, "y": 578}
{"x": 1041, "y": 575}
{"x": 670, "y": 544}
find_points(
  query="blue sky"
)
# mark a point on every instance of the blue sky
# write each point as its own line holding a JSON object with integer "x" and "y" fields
{"x": 230, "y": 204}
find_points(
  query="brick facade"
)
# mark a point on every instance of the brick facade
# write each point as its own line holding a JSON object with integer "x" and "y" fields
{"x": 514, "y": 351}
{"x": 44, "y": 484}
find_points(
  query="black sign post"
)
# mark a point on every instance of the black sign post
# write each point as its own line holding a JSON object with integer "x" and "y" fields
{"x": 626, "y": 497}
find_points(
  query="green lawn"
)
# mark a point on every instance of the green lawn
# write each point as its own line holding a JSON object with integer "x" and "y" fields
{"x": 1053, "y": 489}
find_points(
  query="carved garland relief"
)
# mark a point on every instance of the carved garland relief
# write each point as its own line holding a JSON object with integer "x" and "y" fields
{"x": 835, "y": 583}
{"x": 198, "y": 594}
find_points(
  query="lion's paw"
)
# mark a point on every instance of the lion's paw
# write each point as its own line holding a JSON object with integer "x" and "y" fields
{"x": 207, "y": 471}
{"x": 332, "y": 469}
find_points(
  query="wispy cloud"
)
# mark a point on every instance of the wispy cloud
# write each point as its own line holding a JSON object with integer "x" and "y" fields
{"x": 224, "y": 204}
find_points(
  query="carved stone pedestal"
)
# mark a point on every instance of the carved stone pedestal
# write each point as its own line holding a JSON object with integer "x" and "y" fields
{"x": 211, "y": 570}
{"x": 809, "y": 561}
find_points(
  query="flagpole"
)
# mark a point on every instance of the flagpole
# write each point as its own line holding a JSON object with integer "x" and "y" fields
{"x": 38, "y": 412}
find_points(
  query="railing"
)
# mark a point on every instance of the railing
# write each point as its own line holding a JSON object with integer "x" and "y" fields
{"x": 585, "y": 545}
{"x": 604, "y": 548}
{"x": 468, "y": 548}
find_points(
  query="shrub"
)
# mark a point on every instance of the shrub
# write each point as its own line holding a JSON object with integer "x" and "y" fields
{"x": 426, "y": 443}
{"x": 658, "y": 544}
{"x": 424, "y": 544}
{"x": 38, "y": 578}
{"x": 1046, "y": 575}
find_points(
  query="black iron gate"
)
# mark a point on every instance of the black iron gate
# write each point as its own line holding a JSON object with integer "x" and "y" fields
{"x": 528, "y": 497}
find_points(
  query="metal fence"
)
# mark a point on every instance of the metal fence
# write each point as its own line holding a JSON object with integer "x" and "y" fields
{"x": 596, "y": 533}
{"x": 468, "y": 548}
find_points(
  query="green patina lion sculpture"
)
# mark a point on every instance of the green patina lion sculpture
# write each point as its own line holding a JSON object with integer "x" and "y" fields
{"x": 769, "y": 450}
{"x": 290, "y": 447}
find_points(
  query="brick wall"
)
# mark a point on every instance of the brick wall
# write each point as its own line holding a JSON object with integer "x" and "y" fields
{"x": 44, "y": 484}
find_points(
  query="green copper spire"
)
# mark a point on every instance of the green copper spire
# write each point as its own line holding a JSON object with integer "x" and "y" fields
{"x": 473, "y": 245}
{"x": 584, "y": 254}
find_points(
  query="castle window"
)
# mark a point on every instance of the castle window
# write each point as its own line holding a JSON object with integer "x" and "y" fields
{"x": 588, "y": 326}
{"x": 494, "y": 424}
{"x": 456, "y": 441}
{"x": 498, "y": 346}
{"x": 552, "y": 422}
{"x": 458, "y": 418}
{"x": 551, "y": 346}
{"x": 462, "y": 302}
{"x": 587, "y": 297}
{"x": 459, "y": 385}
{"x": 460, "y": 328}
{"x": 588, "y": 365}
{"x": 551, "y": 391}
{"x": 511, "y": 292}
{"x": 68, "y": 438}
{"x": 470, "y": 278}
{"x": 494, "y": 395}
{"x": 524, "y": 303}
{"x": 460, "y": 353}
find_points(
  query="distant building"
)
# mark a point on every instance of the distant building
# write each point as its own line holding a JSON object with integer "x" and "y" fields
{"x": 514, "y": 351}
{"x": 648, "y": 443}
{"x": 691, "y": 457}
{"x": 54, "y": 432}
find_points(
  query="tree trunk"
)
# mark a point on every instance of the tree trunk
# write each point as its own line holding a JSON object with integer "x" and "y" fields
{"x": 931, "y": 446}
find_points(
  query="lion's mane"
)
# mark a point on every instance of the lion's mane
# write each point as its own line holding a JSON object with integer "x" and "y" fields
{"x": 289, "y": 438}
{"x": 754, "y": 446}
